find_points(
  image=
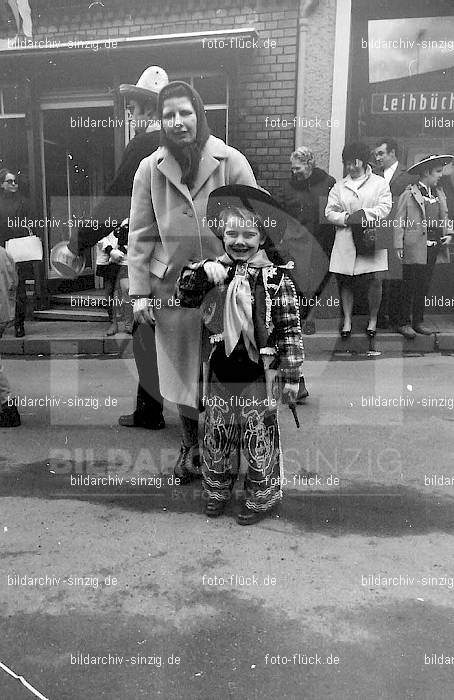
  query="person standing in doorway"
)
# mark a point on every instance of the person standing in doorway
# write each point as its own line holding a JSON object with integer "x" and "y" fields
{"x": 142, "y": 102}
{"x": 387, "y": 157}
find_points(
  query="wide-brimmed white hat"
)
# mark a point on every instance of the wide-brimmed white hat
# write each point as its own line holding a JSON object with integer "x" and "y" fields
{"x": 149, "y": 84}
{"x": 432, "y": 160}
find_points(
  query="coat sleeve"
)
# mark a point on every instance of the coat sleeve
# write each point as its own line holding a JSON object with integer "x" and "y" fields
{"x": 239, "y": 171}
{"x": 335, "y": 212}
{"x": 383, "y": 204}
{"x": 401, "y": 218}
{"x": 143, "y": 233}
{"x": 289, "y": 340}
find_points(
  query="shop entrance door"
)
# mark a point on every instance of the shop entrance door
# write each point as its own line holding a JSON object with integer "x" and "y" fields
{"x": 78, "y": 164}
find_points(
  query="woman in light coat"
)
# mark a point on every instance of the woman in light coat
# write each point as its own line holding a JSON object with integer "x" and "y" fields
{"x": 370, "y": 197}
{"x": 167, "y": 228}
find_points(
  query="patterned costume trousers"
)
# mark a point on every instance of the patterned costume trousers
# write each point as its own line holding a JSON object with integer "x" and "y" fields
{"x": 237, "y": 416}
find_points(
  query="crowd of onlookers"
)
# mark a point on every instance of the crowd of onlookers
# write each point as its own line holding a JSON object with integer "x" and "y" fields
{"x": 202, "y": 231}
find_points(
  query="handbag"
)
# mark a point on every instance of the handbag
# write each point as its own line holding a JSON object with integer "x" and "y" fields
{"x": 364, "y": 237}
{"x": 25, "y": 249}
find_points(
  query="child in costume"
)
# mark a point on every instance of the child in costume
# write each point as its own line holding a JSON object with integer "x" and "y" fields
{"x": 249, "y": 308}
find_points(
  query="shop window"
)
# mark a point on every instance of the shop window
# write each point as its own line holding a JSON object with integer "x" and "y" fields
{"x": 13, "y": 135}
{"x": 12, "y": 100}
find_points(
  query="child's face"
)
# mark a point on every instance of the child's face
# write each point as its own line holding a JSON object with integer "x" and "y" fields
{"x": 242, "y": 239}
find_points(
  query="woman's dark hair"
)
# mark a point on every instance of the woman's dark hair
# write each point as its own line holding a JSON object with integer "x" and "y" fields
{"x": 356, "y": 150}
{"x": 188, "y": 156}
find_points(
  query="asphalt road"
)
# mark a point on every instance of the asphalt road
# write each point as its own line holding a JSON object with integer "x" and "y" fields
{"x": 122, "y": 590}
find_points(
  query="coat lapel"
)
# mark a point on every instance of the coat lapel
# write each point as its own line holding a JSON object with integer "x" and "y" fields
{"x": 213, "y": 152}
{"x": 169, "y": 167}
{"x": 418, "y": 197}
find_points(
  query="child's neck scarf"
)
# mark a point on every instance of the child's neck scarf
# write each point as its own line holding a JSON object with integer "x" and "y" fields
{"x": 238, "y": 304}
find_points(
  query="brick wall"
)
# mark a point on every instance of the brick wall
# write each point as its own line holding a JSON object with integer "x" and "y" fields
{"x": 266, "y": 76}
{"x": 265, "y": 82}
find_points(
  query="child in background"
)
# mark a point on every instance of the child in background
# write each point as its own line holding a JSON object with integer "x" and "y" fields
{"x": 108, "y": 271}
{"x": 249, "y": 308}
{"x": 113, "y": 264}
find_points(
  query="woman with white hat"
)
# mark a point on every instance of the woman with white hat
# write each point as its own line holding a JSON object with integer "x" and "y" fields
{"x": 421, "y": 236}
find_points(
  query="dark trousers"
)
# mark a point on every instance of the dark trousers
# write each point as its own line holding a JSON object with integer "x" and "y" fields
{"x": 391, "y": 301}
{"x": 23, "y": 270}
{"x": 149, "y": 399}
{"x": 416, "y": 281}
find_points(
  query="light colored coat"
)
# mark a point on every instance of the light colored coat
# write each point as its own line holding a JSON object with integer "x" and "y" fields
{"x": 411, "y": 230}
{"x": 8, "y": 284}
{"x": 168, "y": 228}
{"x": 374, "y": 196}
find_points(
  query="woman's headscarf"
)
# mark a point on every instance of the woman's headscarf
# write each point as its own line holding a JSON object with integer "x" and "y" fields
{"x": 186, "y": 155}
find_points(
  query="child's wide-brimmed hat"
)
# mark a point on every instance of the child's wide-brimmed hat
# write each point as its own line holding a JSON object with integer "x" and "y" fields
{"x": 430, "y": 161}
{"x": 272, "y": 219}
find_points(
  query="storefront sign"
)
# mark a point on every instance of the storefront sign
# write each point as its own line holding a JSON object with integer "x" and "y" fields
{"x": 412, "y": 102}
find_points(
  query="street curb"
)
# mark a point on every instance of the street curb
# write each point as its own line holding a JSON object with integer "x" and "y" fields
{"x": 317, "y": 344}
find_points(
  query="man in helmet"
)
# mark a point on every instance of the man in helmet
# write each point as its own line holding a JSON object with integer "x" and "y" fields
{"x": 142, "y": 103}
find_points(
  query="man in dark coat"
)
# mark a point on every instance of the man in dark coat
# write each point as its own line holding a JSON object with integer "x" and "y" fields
{"x": 397, "y": 177}
{"x": 142, "y": 102}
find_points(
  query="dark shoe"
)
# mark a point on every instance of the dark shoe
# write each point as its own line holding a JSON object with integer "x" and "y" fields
{"x": 345, "y": 334}
{"x": 246, "y": 516}
{"x": 407, "y": 331}
{"x": 302, "y": 393}
{"x": 187, "y": 468}
{"x": 19, "y": 330}
{"x": 370, "y": 333}
{"x": 214, "y": 508}
{"x": 422, "y": 330}
{"x": 9, "y": 416}
{"x": 308, "y": 328}
{"x": 135, "y": 420}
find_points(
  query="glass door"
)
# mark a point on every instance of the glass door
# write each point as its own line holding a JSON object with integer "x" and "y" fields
{"x": 78, "y": 164}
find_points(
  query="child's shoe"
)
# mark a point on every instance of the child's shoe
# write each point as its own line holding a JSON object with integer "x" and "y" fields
{"x": 246, "y": 516}
{"x": 214, "y": 508}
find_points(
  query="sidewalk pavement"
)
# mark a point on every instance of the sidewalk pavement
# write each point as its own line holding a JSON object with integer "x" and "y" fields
{"x": 89, "y": 338}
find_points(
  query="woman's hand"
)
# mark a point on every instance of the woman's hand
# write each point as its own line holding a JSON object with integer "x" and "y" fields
{"x": 143, "y": 311}
{"x": 446, "y": 240}
{"x": 215, "y": 272}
